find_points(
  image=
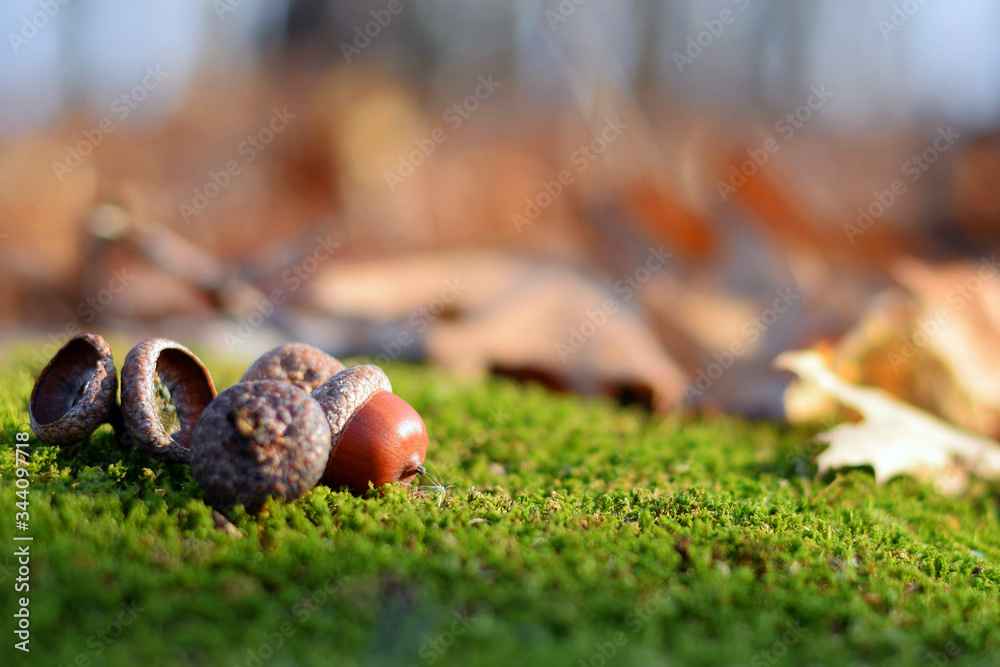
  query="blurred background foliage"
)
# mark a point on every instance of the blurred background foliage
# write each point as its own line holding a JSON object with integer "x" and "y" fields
{"x": 636, "y": 199}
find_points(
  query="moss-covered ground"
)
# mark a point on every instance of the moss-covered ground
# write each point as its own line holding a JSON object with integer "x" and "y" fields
{"x": 550, "y": 531}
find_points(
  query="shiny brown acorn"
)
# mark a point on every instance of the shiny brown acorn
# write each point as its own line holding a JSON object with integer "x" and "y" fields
{"x": 377, "y": 438}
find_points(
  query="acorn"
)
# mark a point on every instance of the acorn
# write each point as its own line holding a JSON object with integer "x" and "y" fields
{"x": 75, "y": 393}
{"x": 257, "y": 440}
{"x": 165, "y": 389}
{"x": 377, "y": 437}
{"x": 305, "y": 366}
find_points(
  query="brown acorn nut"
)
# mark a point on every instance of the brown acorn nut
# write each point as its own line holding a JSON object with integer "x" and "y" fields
{"x": 257, "y": 440}
{"x": 165, "y": 388}
{"x": 75, "y": 393}
{"x": 377, "y": 436}
{"x": 305, "y": 366}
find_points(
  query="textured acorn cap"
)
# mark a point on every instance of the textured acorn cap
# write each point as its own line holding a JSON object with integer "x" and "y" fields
{"x": 75, "y": 393}
{"x": 258, "y": 440}
{"x": 377, "y": 437}
{"x": 348, "y": 390}
{"x": 165, "y": 388}
{"x": 305, "y": 366}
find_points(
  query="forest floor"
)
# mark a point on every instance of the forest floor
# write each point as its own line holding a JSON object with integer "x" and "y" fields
{"x": 550, "y": 530}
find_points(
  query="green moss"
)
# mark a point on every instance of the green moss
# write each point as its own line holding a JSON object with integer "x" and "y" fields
{"x": 166, "y": 407}
{"x": 549, "y": 530}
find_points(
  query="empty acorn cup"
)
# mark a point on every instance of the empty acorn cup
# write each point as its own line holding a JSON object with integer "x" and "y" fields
{"x": 165, "y": 389}
{"x": 75, "y": 393}
{"x": 305, "y": 366}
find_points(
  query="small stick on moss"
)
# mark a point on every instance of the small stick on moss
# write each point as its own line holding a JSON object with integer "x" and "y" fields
{"x": 223, "y": 523}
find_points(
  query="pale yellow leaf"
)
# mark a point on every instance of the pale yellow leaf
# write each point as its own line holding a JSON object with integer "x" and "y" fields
{"x": 894, "y": 438}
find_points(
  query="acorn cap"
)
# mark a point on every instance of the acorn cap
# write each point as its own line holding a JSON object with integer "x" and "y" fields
{"x": 348, "y": 390}
{"x": 258, "y": 440}
{"x": 165, "y": 388}
{"x": 377, "y": 437}
{"x": 305, "y": 366}
{"x": 75, "y": 393}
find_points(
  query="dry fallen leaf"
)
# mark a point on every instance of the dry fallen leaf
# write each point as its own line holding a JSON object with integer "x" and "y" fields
{"x": 958, "y": 325}
{"x": 894, "y": 437}
{"x": 476, "y": 312}
{"x": 930, "y": 344}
